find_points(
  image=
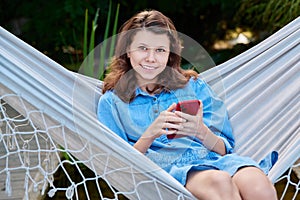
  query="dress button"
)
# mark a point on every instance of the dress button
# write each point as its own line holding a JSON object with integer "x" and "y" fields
{"x": 155, "y": 111}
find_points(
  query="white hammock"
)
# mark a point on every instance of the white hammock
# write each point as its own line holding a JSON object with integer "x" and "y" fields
{"x": 260, "y": 88}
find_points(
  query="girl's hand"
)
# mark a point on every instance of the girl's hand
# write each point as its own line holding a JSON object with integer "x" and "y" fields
{"x": 166, "y": 123}
{"x": 194, "y": 125}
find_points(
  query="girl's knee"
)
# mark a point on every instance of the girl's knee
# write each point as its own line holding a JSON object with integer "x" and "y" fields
{"x": 211, "y": 180}
{"x": 253, "y": 183}
{"x": 264, "y": 190}
{"x": 212, "y": 184}
{"x": 219, "y": 179}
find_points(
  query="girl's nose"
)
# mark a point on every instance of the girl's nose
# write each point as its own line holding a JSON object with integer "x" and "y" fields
{"x": 151, "y": 56}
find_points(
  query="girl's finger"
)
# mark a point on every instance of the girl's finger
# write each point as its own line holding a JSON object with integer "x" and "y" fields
{"x": 199, "y": 113}
{"x": 172, "y": 107}
{"x": 175, "y": 119}
{"x": 173, "y": 126}
{"x": 188, "y": 117}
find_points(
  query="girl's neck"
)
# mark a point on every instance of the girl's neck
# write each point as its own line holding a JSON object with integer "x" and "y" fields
{"x": 149, "y": 88}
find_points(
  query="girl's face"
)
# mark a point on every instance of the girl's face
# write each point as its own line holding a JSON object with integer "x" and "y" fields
{"x": 148, "y": 54}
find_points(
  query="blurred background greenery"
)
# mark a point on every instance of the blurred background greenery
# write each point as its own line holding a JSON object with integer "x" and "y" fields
{"x": 223, "y": 28}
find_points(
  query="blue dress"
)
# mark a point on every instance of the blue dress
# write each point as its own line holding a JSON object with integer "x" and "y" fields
{"x": 177, "y": 156}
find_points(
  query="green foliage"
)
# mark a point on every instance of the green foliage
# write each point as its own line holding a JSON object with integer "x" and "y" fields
{"x": 267, "y": 14}
{"x": 53, "y": 27}
{"x": 90, "y": 67}
{"x": 56, "y": 27}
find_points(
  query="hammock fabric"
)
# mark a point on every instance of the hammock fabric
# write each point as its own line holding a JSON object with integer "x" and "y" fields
{"x": 260, "y": 88}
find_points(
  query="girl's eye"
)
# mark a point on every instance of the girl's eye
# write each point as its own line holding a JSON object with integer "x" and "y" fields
{"x": 142, "y": 48}
{"x": 160, "y": 50}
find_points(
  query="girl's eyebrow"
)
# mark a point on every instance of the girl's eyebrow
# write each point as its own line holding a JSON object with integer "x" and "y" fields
{"x": 149, "y": 46}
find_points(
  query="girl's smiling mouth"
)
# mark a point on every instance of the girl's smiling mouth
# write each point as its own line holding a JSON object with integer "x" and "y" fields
{"x": 148, "y": 67}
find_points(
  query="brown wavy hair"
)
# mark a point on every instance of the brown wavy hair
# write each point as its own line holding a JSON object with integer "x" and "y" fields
{"x": 121, "y": 77}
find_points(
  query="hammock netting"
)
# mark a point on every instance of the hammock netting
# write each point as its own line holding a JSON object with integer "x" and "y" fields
{"x": 52, "y": 145}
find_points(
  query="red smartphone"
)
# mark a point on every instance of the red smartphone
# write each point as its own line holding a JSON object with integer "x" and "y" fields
{"x": 188, "y": 106}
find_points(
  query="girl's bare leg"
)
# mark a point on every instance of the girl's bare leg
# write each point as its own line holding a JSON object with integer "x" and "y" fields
{"x": 212, "y": 184}
{"x": 253, "y": 184}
